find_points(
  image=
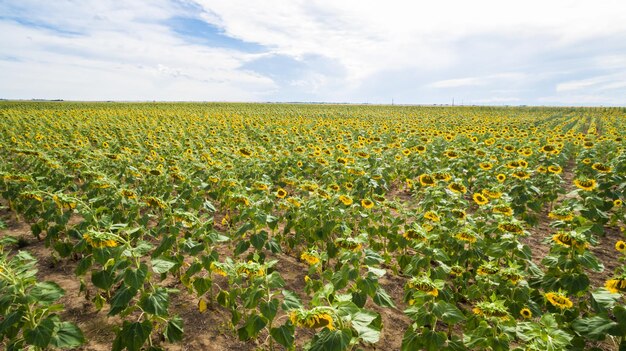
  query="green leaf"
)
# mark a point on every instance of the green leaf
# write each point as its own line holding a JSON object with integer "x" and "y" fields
{"x": 161, "y": 266}
{"x": 362, "y": 323}
{"x": 202, "y": 285}
{"x": 331, "y": 340}
{"x": 604, "y": 298}
{"x": 593, "y": 327}
{"x": 433, "y": 340}
{"x": 258, "y": 240}
{"x": 68, "y": 336}
{"x": 10, "y": 320}
{"x": 103, "y": 279}
{"x": 291, "y": 301}
{"x": 121, "y": 299}
{"x": 46, "y": 292}
{"x": 133, "y": 335}
{"x": 382, "y": 298}
{"x": 135, "y": 277}
{"x": 42, "y": 333}
{"x": 448, "y": 312}
{"x": 174, "y": 329}
{"x": 269, "y": 309}
{"x": 83, "y": 265}
{"x": 251, "y": 329}
{"x": 411, "y": 340}
{"x": 284, "y": 335}
{"x": 241, "y": 247}
{"x": 372, "y": 258}
{"x": 208, "y": 206}
{"x": 155, "y": 303}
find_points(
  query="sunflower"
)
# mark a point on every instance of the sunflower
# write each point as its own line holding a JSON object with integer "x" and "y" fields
{"x": 423, "y": 284}
{"x": 294, "y": 201}
{"x": 457, "y": 188}
{"x": 559, "y": 300}
{"x": 503, "y": 210}
{"x": 310, "y": 258}
{"x": 466, "y": 236}
{"x": 318, "y": 317}
{"x": 585, "y": 184}
{"x": 615, "y": 285}
{"x": 548, "y": 148}
{"x": 346, "y": 200}
{"x": 458, "y": 214}
{"x": 487, "y": 269}
{"x": 409, "y": 183}
{"x": 413, "y": 234}
{"x": 485, "y": 166}
{"x": 586, "y": 161}
{"x": 367, "y": 203}
{"x": 561, "y": 215}
{"x": 491, "y": 194}
{"x": 426, "y": 180}
{"x": 521, "y": 175}
{"x": 588, "y": 144}
{"x": 617, "y": 203}
{"x": 100, "y": 239}
{"x": 491, "y": 310}
{"x": 526, "y": 313}
{"x": 511, "y": 227}
{"x": 129, "y": 194}
{"x": 281, "y": 193}
{"x": 218, "y": 268}
{"x": 155, "y": 202}
{"x": 245, "y": 152}
{"x": 501, "y": 178}
{"x": 555, "y": 169}
{"x": 601, "y": 167}
{"x": 620, "y": 246}
{"x": 451, "y": 154}
{"x": 480, "y": 199}
{"x": 430, "y": 215}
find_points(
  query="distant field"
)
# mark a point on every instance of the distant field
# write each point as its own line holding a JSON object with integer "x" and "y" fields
{"x": 191, "y": 226}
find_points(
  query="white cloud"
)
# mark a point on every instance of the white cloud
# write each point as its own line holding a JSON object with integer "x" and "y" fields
{"x": 418, "y": 50}
{"x": 120, "y": 57}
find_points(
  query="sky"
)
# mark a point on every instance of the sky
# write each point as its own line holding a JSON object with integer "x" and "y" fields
{"x": 486, "y": 52}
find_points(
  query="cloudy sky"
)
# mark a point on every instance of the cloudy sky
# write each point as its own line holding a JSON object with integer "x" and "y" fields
{"x": 476, "y": 52}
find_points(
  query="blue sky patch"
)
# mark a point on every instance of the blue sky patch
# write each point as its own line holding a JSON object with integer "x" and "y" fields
{"x": 200, "y": 32}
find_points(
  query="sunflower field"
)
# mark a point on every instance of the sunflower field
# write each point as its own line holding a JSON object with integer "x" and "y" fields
{"x": 315, "y": 227}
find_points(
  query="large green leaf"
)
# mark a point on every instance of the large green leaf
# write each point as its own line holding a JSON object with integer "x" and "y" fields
{"x": 252, "y": 327}
{"x": 174, "y": 329}
{"x": 121, "y": 299}
{"x": 67, "y": 336}
{"x": 132, "y": 336}
{"x": 447, "y": 312}
{"x": 284, "y": 335}
{"x": 291, "y": 301}
{"x": 161, "y": 266}
{"x": 595, "y": 327}
{"x": 331, "y": 340}
{"x": 46, "y": 292}
{"x": 41, "y": 334}
{"x": 136, "y": 277}
{"x": 382, "y": 298}
{"x": 103, "y": 279}
{"x": 156, "y": 302}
